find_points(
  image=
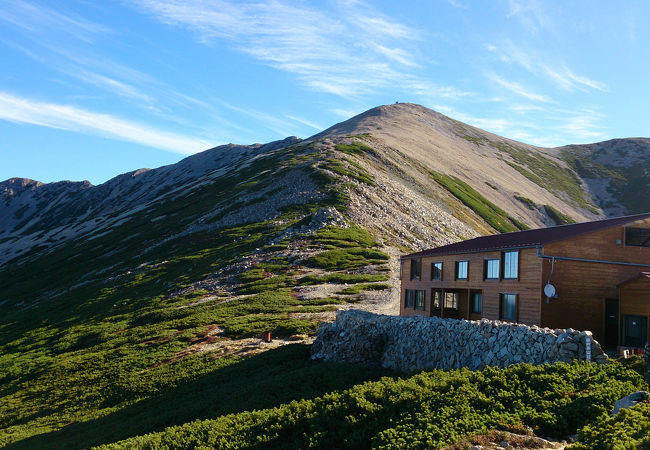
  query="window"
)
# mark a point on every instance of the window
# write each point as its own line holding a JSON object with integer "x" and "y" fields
{"x": 491, "y": 270}
{"x": 414, "y": 299}
{"x": 638, "y": 237}
{"x": 451, "y": 300}
{"x": 436, "y": 271}
{"x": 462, "y": 269}
{"x": 419, "y": 299}
{"x": 435, "y": 299}
{"x": 416, "y": 268}
{"x": 409, "y": 300}
{"x": 510, "y": 265}
{"x": 477, "y": 302}
{"x": 508, "y": 307}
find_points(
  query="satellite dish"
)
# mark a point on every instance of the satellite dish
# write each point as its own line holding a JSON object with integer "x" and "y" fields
{"x": 549, "y": 290}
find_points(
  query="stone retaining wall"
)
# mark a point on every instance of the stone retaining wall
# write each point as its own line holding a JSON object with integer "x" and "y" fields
{"x": 408, "y": 344}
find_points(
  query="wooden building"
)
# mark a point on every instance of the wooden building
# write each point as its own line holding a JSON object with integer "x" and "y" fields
{"x": 589, "y": 276}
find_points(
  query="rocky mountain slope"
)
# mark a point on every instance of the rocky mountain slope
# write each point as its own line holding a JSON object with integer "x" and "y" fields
{"x": 114, "y": 295}
{"x": 411, "y": 146}
{"x": 616, "y": 172}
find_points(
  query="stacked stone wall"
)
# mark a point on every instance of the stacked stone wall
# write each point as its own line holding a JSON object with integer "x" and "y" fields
{"x": 409, "y": 344}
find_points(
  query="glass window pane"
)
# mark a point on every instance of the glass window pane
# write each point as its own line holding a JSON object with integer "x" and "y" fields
{"x": 639, "y": 237}
{"x": 416, "y": 268}
{"x": 451, "y": 300}
{"x": 492, "y": 269}
{"x": 410, "y": 298}
{"x": 461, "y": 270}
{"x": 477, "y": 302}
{"x": 510, "y": 264}
{"x": 436, "y": 299}
{"x": 436, "y": 271}
{"x": 509, "y": 307}
{"x": 419, "y": 300}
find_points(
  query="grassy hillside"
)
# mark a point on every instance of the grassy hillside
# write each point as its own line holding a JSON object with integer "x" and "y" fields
{"x": 101, "y": 325}
{"x": 153, "y": 322}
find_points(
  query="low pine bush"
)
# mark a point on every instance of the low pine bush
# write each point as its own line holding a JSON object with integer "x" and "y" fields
{"x": 427, "y": 410}
{"x": 630, "y": 428}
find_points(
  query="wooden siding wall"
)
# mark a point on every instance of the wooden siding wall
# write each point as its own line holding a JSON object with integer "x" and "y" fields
{"x": 527, "y": 287}
{"x": 582, "y": 286}
{"x": 635, "y": 298}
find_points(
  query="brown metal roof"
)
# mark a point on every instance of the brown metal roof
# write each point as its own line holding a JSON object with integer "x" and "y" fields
{"x": 528, "y": 238}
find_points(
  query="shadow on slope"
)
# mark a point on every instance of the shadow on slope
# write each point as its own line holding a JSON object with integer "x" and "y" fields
{"x": 263, "y": 381}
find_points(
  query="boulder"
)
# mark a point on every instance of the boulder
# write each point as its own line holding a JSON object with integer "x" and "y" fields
{"x": 630, "y": 400}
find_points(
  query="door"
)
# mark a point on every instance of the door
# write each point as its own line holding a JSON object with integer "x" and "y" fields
{"x": 611, "y": 323}
{"x": 634, "y": 331}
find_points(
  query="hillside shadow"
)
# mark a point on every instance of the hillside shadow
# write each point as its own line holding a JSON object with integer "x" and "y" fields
{"x": 263, "y": 381}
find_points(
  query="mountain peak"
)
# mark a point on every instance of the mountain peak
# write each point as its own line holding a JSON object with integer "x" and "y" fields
{"x": 378, "y": 118}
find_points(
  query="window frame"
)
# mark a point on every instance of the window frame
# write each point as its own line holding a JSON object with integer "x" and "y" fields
{"x": 436, "y": 299}
{"x": 409, "y": 298}
{"x": 643, "y": 232}
{"x": 419, "y": 295}
{"x": 502, "y": 297}
{"x": 472, "y": 308}
{"x": 504, "y": 265}
{"x": 456, "y": 272}
{"x": 456, "y": 300}
{"x": 433, "y": 266}
{"x": 486, "y": 271}
{"x": 416, "y": 263}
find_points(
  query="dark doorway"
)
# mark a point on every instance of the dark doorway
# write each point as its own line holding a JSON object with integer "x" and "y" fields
{"x": 611, "y": 323}
{"x": 635, "y": 330}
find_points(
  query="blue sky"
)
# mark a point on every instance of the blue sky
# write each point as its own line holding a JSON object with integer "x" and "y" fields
{"x": 89, "y": 90}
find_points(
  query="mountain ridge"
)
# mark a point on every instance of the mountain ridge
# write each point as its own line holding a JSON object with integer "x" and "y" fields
{"x": 514, "y": 178}
{"x": 151, "y": 296}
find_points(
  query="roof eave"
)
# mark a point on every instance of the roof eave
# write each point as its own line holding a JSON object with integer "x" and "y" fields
{"x": 423, "y": 254}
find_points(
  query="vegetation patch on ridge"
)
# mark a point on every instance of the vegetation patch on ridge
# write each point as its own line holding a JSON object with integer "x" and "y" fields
{"x": 558, "y": 217}
{"x": 539, "y": 169}
{"x": 496, "y": 217}
{"x": 526, "y": 201}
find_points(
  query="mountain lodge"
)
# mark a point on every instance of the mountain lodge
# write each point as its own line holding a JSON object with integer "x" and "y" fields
{"x": 588, "y": 276}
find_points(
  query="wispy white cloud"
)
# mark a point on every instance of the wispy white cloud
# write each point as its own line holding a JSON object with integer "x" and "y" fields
{"x": 37, "y": 18}
{"x": 531, "y": 14}
{"x": 273, "y": 123}
{"x": 351, "y": 51}
{"x": 494, "y": 125}
{"x": 307, "y": 122}
{"x": 347, "y": 113}
{"x": 584, "y": 125}
{"x": 549, "y": 125}
{"x": 457, "y": 4}
{"x": 519, "y": 89}
{"x": 65, "y": 117}
{"x": 432, "y": 91}
{"x": 396, "y": 54}
{"x": 569, "y": 80}
{"x": 122, "y": 89}
{"x": 558, "y": 73}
